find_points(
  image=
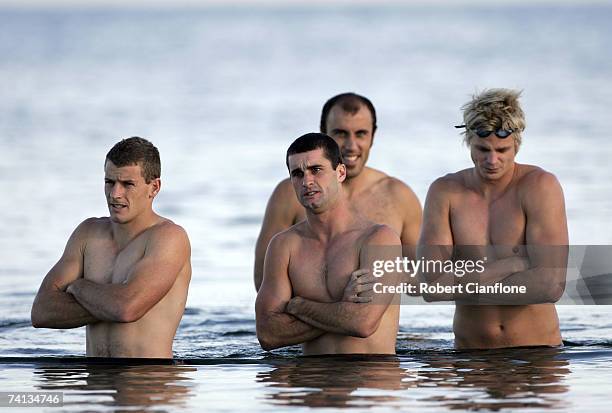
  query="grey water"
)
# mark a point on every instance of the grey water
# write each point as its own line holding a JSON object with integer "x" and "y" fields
{"x": 222, "y": 91}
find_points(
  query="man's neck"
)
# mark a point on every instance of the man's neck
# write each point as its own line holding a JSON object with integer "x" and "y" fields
{"x": 494, "y": 189}
{"x": 124, "y": 233}
{"x": 335, "y": 220}
{"x": 357, "y": 183}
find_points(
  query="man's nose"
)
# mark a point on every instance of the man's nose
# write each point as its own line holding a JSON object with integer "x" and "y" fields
{"x": 492, "y": 157}
{"x": 117, "y": 191}
{"x": 308, "y": 179}
{"x": 350, "y": 143}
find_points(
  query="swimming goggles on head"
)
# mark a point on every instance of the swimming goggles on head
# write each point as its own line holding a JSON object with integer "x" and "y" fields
{"x": 484, "y": 133}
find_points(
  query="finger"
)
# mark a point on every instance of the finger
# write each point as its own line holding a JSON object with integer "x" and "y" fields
{"x": 358, "y": 299}
{"x": 358, "y": 273}
{"x": 367, "y": 279}
{"x": 364, "y": 287}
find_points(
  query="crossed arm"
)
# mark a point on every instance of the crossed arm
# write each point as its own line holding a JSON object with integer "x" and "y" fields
{"x": 283, "y": 320}
{"x": 67, "y": 300}
{"x": 542, "y": 271}
{"x": 53, "y": 307}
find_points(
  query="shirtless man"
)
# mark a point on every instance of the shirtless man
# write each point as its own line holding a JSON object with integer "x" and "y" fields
{"x": 124, "y": 276}
{"x": 512, "y": 210}
{"x": 306, "y": 293}
{"x": 350, "y": 120}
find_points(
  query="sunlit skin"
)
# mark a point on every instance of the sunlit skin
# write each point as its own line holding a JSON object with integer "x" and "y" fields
{"x": 314, "y": 180}
{"x": 124, "y": 276}
{"x": 303, "y": 298}
{"x": 370, "y": 192}
{"x": 353, "y": 134}
{"x": 502, "y": 204}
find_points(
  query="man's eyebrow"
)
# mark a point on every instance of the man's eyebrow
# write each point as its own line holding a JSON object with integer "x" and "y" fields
{"x": 295, "y": 170}
{"x": 314, "y": 166}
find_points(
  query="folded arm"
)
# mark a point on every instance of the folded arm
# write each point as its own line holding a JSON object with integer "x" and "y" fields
{"x": 275, "y": 327}
{"x": 350, "y": 318}
{"x": 53, "y": 307}
{"x": 147, "y": 282}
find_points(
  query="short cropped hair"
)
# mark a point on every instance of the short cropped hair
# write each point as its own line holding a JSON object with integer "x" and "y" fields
{"x": 313, "y": 141}
{"x": 493, "y": 109}
{"x": 134, "y": 151}
{"x": 350, "y": 103}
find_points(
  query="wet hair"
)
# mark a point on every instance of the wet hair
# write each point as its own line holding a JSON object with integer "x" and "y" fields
{"x": 134, "y": 151}
{"x": 313, "y": 141}
{"x": 494, "y": 109}
{"x": 350, "y": 103}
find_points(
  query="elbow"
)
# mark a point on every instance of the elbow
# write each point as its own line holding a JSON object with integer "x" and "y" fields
{"x": 554, "y": 293}
{"x": 266, "y": 344}
{"x": 266, "y": 341}
{"x": 38, "y": 316}
{"x": 128, "y": 313}
{"x": 37, "y": 319}
{"x": 366, "y": 329}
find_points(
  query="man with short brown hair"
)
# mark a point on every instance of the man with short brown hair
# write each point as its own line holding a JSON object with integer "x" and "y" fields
{"x": 350, "y": 119}
{"x": 124, "y": 276}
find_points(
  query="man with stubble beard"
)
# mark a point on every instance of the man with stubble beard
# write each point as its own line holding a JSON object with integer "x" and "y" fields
{"x": 124, "y": 276}
{"x": 307, "y": 294}
{"x": 350, "y": 119}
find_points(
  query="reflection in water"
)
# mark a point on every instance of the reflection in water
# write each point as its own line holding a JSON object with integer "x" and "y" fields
{"x": 509, "y": 378}
{"x": 493, "y": 380}
{"x": 334, "y": 381}
{"x": 117, "y": 385}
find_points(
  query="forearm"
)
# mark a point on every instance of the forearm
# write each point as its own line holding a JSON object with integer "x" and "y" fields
{"x": 340, "y": 317}
{"x": 541, "y": 285}
{"x": 494, "y": 272}
{"x": 103, "y": 301}
{"x": 59, "y": 309}
{"x": 279, "y": 329}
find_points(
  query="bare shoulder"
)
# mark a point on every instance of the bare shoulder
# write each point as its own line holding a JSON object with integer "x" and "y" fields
{"x": 450, "y": 183}
{"x": 534, "y": 175}
{"x": 168, "y": 230}
{"x": 283, "y": 192}
{"x": 288, "y": 237}
{"x": 381, "y": 234}
{"x": 535, "y": 182}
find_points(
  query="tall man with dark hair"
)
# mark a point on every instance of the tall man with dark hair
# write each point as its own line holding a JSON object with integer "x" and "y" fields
{"x": 307, "y": 295}
{"x": 350, "y": 119}
{"x": 124, "y": 276}
{"x": 511, "y": 212}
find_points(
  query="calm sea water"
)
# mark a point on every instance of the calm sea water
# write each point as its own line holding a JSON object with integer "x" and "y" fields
{"x": 222, "y": 92}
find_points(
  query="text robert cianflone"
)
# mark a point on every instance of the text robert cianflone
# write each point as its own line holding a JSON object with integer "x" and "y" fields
{"x": 470, "y": 288}
{"x": 412, "y": 267}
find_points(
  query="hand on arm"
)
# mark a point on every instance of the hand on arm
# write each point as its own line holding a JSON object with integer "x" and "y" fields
{"x": 354, "y": 318}
{"x": 148, "y": 281}
{"x": 276, "y": 328}
{"x": 547, "y": 246}
{"x": 436, "y": 243}
{"x": 280, "y": 214}
{"x": 53, "y": 307}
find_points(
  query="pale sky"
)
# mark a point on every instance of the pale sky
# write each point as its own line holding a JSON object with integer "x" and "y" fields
{"x": 196, "y": 3}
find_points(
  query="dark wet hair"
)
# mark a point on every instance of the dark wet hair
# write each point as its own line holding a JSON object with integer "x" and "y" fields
{"x": 350, "y": 103}
{"x": 313, "y": 141}
{"x": 134, "y": 151}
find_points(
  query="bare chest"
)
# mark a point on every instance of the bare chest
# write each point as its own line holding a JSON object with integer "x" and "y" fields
{"x": 104, "y": 263}
{"x": 477, "y": 221}
{"x": 320, "y": 272}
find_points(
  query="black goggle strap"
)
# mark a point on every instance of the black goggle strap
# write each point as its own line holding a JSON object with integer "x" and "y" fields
{"x": 500, "y": 133}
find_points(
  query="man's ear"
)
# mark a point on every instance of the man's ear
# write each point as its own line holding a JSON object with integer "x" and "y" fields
{"x": 155, "y": 187}
{"x": 341, "y": 172}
